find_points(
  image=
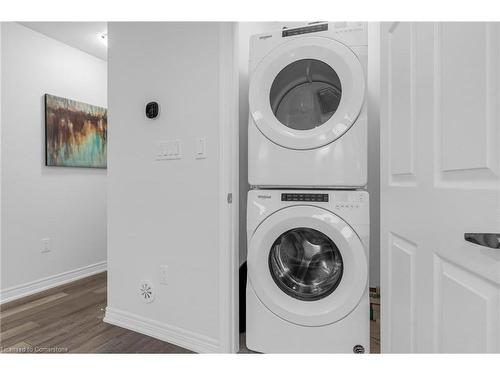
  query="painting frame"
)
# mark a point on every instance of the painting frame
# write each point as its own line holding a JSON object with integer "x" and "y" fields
{"x": 75, "y": 133}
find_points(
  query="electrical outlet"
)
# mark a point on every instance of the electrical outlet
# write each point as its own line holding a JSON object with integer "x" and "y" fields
{"x": 45, "y": 245}
{"x": 163, "y": 275}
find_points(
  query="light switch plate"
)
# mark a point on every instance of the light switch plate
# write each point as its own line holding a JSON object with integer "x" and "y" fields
{"x": 168, "y": 150}
{"x": 200, "y": 148}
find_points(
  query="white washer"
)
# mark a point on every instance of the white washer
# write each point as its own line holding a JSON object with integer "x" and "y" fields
{"x": 307, "y": 287}
{"x": 307, "y": 108}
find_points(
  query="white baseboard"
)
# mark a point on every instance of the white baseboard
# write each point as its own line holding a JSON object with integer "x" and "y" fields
{"x": 23, "y": 290}
{"x": 174, "y": 335}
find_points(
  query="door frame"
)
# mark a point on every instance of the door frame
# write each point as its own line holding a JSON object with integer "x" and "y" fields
{"x": 228, "y": 215}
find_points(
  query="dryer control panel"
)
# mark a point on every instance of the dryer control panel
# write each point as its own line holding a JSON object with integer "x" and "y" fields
{"x": 304, "y": 197}
{"x": 305, "y": 30}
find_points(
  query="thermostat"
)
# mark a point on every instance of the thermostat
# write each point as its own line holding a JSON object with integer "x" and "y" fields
{"x": 152, "y": 110}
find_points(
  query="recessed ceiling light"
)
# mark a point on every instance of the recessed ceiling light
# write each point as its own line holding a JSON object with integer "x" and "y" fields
{"x": 103, "y": 38}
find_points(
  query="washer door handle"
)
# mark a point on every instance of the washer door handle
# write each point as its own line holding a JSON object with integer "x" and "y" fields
{"x": 491, "y": 240}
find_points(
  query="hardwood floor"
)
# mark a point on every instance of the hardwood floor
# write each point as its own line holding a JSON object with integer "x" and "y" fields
{"x": 374, "y": 337}
{"x": 68, "y": 319}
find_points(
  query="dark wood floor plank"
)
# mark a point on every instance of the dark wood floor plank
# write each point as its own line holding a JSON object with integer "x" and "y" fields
{"x": 151, "y": 345}
{"x": 83, "y": 302}
{"x": 16, "y": 334}
{"x": 16, "y": 331}
{"x": 91, "y": 345}
{"x": 103, "y": 289}
{"x": 76, "y": 337}
{"x": 72, "y": 294}
{"x": 100, "y": 277}
{"x": 37, "y": 336}
{"x": 65, "y": 326}
{"x": 139, "y": 346}
{"x": 48, "y": 313}
{"x": 158, "y": 346}
{"x": 119, "y": 344}
{"x": 30, "y": 305}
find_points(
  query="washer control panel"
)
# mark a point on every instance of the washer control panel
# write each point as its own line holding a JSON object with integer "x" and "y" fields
{"x": 304, "y": 197}
{"x": 350, "y": 201}
{"x": 345, "y": 205}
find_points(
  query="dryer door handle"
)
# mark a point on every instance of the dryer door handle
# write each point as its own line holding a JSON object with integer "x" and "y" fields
{"x": 491, "y": 240}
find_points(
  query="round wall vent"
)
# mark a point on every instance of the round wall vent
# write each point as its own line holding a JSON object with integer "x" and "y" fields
{"x": 146, "y": 291}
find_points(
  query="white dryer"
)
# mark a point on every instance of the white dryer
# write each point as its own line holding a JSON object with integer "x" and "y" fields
{"x": 307, "y": 286}
{"x": 307, "y": 107}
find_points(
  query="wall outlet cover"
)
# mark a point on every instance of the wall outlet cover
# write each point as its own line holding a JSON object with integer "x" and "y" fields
{"x": 163, "y": 275}
{"x": 45, "y": 248}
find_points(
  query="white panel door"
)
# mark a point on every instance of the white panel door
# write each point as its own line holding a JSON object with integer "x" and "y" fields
{"x": 440, "y": 168}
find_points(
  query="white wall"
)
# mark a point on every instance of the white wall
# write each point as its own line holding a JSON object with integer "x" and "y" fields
{"x": 166, "y": 212}
{"x": 68, "y": 205}
{"x": 246, "y": 29}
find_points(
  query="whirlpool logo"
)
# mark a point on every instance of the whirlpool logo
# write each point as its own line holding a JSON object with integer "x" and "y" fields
{"x": 264, "y": 196}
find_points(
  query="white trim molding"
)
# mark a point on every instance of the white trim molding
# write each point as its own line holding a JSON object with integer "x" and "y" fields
{"x": 228, "y": 180}
{"x": 174, "y": 335}
{"x": 32, "y": 287}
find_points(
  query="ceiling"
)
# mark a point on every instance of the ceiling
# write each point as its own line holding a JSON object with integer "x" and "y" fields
{"x": 80, "y": 35}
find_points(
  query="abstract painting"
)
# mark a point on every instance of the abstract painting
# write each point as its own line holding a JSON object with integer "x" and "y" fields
{"x": 75, "y": 133}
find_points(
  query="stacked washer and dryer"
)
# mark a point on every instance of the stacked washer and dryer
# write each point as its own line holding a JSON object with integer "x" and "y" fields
{"x": 307, "y": 213}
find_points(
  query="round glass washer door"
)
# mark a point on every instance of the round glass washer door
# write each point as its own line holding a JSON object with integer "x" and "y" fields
{"x": 307, "y": 265}
{"x": 307, "y": 92}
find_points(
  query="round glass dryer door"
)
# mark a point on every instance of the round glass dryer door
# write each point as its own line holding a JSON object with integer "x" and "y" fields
{"x": 305, "y": 264}
{"x": 307, "y": 92}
